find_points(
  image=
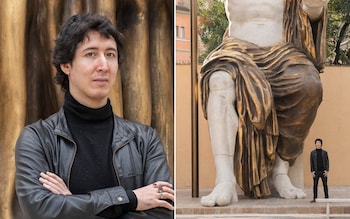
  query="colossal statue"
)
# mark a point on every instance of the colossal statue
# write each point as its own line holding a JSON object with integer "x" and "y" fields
{"x": 260, "y": 93}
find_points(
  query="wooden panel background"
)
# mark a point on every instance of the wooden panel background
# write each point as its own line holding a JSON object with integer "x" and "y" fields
{"x": 144, "y": 88}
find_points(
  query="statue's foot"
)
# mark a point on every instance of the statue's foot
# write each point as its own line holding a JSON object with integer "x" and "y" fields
{"x": 223, "y": 194}
{"x": 285, "y": 188}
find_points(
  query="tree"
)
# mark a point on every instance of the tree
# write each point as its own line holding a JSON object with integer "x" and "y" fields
{"x": 213, "y": 24}
{"x": 338, "y": 33}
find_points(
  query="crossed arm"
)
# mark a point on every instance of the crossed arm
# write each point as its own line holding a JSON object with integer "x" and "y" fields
{"x": 148, "y": 197}
{"x": 47, "y": 195}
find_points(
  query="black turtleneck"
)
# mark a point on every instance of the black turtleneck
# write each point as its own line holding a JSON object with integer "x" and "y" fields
{"x": 92, "y": 131}
{"x": 320, "y": 166}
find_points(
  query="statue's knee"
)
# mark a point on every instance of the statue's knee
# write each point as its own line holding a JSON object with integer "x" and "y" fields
{"x": 313, "y": 88}
{"x": 222, "y": 92}
{"x": 220, "y": 81}
{"x": 309, "y": 82}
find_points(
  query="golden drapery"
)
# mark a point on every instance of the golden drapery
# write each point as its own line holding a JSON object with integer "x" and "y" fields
{"x": 144, "y": 85}
{"x": 255, "y": 70}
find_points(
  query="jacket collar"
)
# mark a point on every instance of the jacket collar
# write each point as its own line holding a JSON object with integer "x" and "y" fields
{"x": 122, "y": 133}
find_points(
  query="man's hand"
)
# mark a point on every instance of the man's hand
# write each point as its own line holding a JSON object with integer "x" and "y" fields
{"x": 325, "y": 173}
{"x": 313, "y": 174}
{"x": 151, "y": 196}
{"x": 54, "y": 183}
{"x": 154, "y": 195}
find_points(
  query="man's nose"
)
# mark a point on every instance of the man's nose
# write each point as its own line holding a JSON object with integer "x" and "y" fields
{"x": 102, "y": 63}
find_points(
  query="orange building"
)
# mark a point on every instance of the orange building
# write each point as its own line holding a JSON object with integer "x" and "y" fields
{"x": 183, "y": 32}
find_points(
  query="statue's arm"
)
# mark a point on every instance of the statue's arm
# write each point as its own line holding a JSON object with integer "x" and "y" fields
{"x": 314, "y": 8}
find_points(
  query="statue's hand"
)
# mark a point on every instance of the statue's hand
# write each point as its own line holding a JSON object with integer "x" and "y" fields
{"x": 314, "y": 8}
{"x": 315, "y": 3}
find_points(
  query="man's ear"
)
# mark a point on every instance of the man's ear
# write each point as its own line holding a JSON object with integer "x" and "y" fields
{"x": 66, "y": 68}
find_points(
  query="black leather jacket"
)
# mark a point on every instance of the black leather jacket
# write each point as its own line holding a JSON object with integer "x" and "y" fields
{"x": 313, "y": 160}
{"x": 47, "y": 145}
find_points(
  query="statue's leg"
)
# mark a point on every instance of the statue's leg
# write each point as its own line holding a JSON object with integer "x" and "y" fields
{"x": 296, "y": 104}
{"x": 223, "y": 124}
{"x": 296, "y": 172}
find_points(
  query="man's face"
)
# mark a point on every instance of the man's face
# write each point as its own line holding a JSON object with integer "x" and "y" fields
{"x": 93, "y": 70}
{"x": 318, "y": 144}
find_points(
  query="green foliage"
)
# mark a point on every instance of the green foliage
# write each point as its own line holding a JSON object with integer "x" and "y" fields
{"x": 338, "y": 32}
{"x": 213, "y": 24}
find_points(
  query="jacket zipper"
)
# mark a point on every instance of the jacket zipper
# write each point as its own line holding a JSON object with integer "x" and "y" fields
{"x": 114, "y": 158}
{"x": 71, "y": 162}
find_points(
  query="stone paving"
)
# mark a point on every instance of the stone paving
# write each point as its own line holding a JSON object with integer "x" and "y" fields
{"x": 188, "y": 207}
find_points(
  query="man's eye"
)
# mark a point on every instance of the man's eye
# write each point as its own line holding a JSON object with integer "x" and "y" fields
{"x": 110, "y": 54}
{"x": 90, "y": 54}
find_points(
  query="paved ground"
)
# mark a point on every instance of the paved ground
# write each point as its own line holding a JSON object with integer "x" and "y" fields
{"x": 267, "y": 216}
{"x": 188, "y": 207}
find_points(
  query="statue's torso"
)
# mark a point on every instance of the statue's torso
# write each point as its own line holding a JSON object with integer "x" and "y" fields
{"x": 257, "y": 21}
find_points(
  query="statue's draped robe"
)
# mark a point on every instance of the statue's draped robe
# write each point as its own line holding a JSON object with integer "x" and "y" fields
{"x": 267, "y": 90}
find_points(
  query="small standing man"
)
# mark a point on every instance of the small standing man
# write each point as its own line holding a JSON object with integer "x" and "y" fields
{"x": 319, "y": 167}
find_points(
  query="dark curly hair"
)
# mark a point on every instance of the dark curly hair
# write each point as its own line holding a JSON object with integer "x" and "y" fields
{"x": 72, "y": 32}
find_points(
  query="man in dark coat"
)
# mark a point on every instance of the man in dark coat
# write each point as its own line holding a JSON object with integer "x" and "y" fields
{"x": 319, "y": 164}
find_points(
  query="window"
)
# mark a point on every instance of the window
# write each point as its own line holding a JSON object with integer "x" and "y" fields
{"x": 180, "y": 32}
